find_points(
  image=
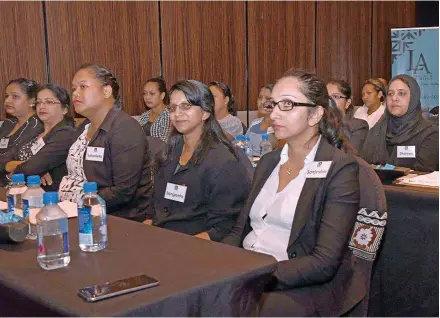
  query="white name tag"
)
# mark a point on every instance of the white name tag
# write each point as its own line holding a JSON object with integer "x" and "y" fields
{"x": 95, "y": 154}
{"x": 318, "y": 169}
{"x": 37, "y": 146}
{"x": 270, "y": 130}
{"x": 175, "y": 192}
{"x": 4, "y": 143}
{"x": 406, "y": 151}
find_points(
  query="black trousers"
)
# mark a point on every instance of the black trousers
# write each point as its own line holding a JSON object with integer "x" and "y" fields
{"x": 289, "y": 303}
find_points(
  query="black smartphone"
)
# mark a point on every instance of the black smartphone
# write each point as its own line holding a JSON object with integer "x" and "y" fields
{"x": 119, "y": 287}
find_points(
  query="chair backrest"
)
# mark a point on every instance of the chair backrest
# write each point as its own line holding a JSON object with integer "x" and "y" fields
{"x": 369, "y": 228}
{"x": 155, "y": 145}
{"x": 244, "y": 128}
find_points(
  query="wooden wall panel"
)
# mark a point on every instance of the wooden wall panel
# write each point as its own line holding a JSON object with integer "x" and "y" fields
{"x": 123, "y": 36}
{"x": 205, "y": 41}
{"x": 281, "y": 36}
{"x": 387, "y": 15}
{"x": 343, "y": 42}
{"x": 22, "y": 44}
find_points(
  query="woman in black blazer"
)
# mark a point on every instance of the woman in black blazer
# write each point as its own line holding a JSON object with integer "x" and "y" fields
{"x": 110, "y": 148}
{"x": 46, "y": 153}
{"x": 202, "y": 181}
{"x": 303, "y": 205}
{"x": 354, "y": 129}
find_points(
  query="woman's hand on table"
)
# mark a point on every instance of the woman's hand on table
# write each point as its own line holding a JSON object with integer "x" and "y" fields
{"x": 148, "y": 222}
{"x": 46, "y": 180}
{"x": 203, "y": 235}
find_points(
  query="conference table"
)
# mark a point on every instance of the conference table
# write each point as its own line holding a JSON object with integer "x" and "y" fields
{"x": 203, "y": 278}
{"x": 405, "y": 280}
{"x": 197, "y": 277}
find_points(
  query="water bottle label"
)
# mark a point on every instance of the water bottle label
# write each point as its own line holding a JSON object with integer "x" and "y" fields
{"x": 26, "y": 209}
{"x": 66, "y": 242}
{"x": 11, "y": 206}
{"x": 65, "y": 231}
{"x": 41, "y": 249}
{"x": 85, "y": 225}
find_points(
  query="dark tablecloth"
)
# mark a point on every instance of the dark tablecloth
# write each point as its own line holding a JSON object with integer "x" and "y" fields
{"x": 406, "y": 273}
{"x": 197, "y": 277}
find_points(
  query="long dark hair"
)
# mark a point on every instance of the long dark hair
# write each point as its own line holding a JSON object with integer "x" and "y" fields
{"x": 345, "y": 90}
{"x": 232, "y": 109}
{"x": 63, "y": 96}
{"x": 315, "y": 90}
{"x": 197, "y": 94}
{"x": 162, "y": 86}
{"x": 106, "y": 77}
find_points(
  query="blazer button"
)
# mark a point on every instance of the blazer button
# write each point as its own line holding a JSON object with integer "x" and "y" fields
{"x": 292, "y": 255}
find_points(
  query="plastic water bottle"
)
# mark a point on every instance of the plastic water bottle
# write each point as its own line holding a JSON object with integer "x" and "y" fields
{"x": 32, "y": 203}
{"x": 15, "y": 191}
{"x": 248, "y": 148}
{"x": 92, "y": 220}
{"x": 265, "y": 145}
{"x": 52, "y": 234}
{"x": 240, "y": 142}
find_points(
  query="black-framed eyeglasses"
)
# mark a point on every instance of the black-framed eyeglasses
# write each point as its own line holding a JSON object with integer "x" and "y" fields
{"x": 338, "y": 97}
{"x": 184, "y": 107}
{"x": 285, "y": 105}
{"x": 47, "y": 102}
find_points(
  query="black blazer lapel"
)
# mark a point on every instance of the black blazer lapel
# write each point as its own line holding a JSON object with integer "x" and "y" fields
{"x": 308, "y": 195}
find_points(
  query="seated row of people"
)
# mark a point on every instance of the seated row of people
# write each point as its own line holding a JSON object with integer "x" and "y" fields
{"x": 204, "y": 186}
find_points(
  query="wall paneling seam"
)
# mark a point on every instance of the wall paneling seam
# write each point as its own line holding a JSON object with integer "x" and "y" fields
{"x": 46, "y": 42}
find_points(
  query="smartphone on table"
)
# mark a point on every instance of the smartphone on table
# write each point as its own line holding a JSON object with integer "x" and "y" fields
{"x": 119, "y": 287}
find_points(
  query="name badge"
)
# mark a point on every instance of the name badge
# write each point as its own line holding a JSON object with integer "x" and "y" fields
{"x": 406, "y": 151}
{"x": 4, "y": 143}
{"x": 95, "y": 154}
{"x": 175, "y": 192}
{"x": 270, "y": 130}
{"x": 37, "y": 146}
{"x": 318, "y": 169}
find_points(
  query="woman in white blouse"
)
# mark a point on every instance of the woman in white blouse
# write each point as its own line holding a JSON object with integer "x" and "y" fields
{"x": 303, "y": 205}
{"x": 373, "y": 95}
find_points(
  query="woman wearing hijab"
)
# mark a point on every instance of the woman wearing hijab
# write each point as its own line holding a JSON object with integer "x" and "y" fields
{"x": 403, "y": 138}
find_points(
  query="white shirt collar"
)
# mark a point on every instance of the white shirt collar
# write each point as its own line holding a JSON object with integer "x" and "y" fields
{"x": 284, "y": 156}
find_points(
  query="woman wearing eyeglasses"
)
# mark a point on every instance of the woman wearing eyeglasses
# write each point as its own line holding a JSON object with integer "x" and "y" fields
{"x": 46, "y": 153}
{"x": 110, "y": 149}
{"x": 403, "y": 138}
{"x": 373, "y": 95}
{"x": 262, "y": 125}
{"x": 303, "y": 205}
{"x": 201, "y": 181}
{"x": 355, "y": 129}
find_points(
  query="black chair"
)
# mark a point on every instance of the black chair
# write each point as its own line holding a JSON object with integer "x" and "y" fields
{"x": 368, "y": 230}
{"x": 244, "y": 128}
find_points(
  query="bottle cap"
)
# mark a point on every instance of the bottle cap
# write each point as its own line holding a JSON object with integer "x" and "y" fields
{"x": 90, "y": 187}
{"x": 265, "y": 137}
{"x": 33, "y": 180}
{"x": 50, "y": 197}
{"x": 19, "y": 177}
